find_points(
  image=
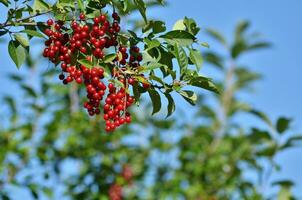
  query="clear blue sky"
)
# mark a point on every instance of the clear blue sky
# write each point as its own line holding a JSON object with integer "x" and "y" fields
{"x": 279, "y": 92}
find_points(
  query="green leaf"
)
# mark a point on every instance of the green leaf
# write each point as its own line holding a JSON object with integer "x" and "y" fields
{"x": 151, "y": 66}
{"x": 214, "y": 59}
{"x": 284, "y": 193}
{"x": 268, "y": 151}
{"x": 205, "y": 83}
{"x": 156, "y": 26}
{"x": 262, "y": 116}
{"x": 142, "y": 8}
{"x": 285, "y": 183}
{"x": 86, "y": 63}
{"x": 179, "y": 25}
{"x": 40, "y": 6}
{"x": 259, "y": 136}
{"x": 5, "y": 2}
{"x": 292, "y": 142}
{"x": 238, "y": 48}
{"x": 282, "y": 124}
{"x": 33, "y": 33}
{"x": 216, "y": 35}
{"x": 181, "y": 57}
{"x": 80, "y": 5}
{"x": 183, "y": 38}
{"x": 205, "y": 44}
{"x": 189, "y": 96}
{"x": 3, "y": 32}
{"x": 151, "y": 44}
{"x": 109, "y": 58}
{"x": 41, "y": 26}
{"x": 156, "y": 100}
{"x": 191, "y": 26}
{"x": 196, "y": 58}
{"x": 259, "y": 45}
{"x": 30, "y": 91}
{"x": 240, "y": 29}
{"x": 23, "y": 41}
{"x": 171, "y": 105}
{"x": 16, "y": 52}
{"x": 12, "y": 104}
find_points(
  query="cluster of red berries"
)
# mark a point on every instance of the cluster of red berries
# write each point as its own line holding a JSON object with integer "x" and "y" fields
{"x": 90, "y": 39}
{"x": 115, "y": 190}
{"x": 127, "y": 173}
{"x": 117, "y": 102}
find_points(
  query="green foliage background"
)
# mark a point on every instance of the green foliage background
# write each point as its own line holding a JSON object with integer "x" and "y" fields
{"x": 47, "y": 140}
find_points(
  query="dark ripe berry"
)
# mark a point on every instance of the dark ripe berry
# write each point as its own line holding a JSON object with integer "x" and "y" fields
{"x": 48, "y": 32}
{"x": 131, "y": 59}
{"x": 135, "y": 49}
{"x": 78, "y": 43}
{"x": 85, "y": 28}
{"x": 77, "y": 36}
{"x": 128, "y": 119}
{"x": 108, "y": 101}
{"x": 48, "y": 42}
{"x": 97, "y": 111}
{"x": 111, "y": 30}
{"x": 123, "y": 50}
{"x": 69, "y": 79}
{"x": 74, "y": 25}
{"x": 146, "y": 85}
{"x": 103, "y": 41}
{"x": 61, "y": 58}
{"x": 51, "y": 54}
{"x": 111, "y": 86}
{"x": 84, "y": 34}
{"x": 82, "y": 16}
{"x": 115, "y": 16}
{"x": 57, "y": 27}
{"x": 103, "y": 18}
{"x": 95, "y": 29}
{"x": 131, "y": 81}
{"x": 58, "y": 43}
{"x": 61, "y": 77}
{"x": 79, "y": 80}
{"x": 65, "y": 82}
{"x": 49, "y": 22}
{"x": 63, "y": 66}
{"x": 83, "y": 50}
{"x": 96, "y": 20}
{"x": 97, "y": 44}
{"x": 101, "y": 32}
{"x": 139, "y": 58}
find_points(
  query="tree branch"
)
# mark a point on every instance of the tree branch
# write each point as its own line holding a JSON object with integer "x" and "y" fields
{"x": 20, "y": 22}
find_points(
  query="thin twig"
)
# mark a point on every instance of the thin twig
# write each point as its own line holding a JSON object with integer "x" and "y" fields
{"x": 20, "y": 22}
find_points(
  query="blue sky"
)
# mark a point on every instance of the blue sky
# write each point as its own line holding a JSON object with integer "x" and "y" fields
{"x": 278, "y": 93}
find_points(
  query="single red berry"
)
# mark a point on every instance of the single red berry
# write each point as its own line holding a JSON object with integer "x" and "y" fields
{"x": 82, "y": 16}
{"x": 49, "y": 22}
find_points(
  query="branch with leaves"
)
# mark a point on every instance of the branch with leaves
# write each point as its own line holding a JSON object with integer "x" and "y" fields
{"x": 151, "y": 71}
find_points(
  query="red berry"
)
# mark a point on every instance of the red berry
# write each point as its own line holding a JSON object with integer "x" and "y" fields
{"x": 49, "y": 22}
{"x": 82, "y": 16}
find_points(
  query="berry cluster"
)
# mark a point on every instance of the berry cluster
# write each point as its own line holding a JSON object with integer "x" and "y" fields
{"x": 91, "y": 40}
{"x": 117, "y": 102}
{"x": 127, "y": 173}
{"x": 115, "y": 190}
